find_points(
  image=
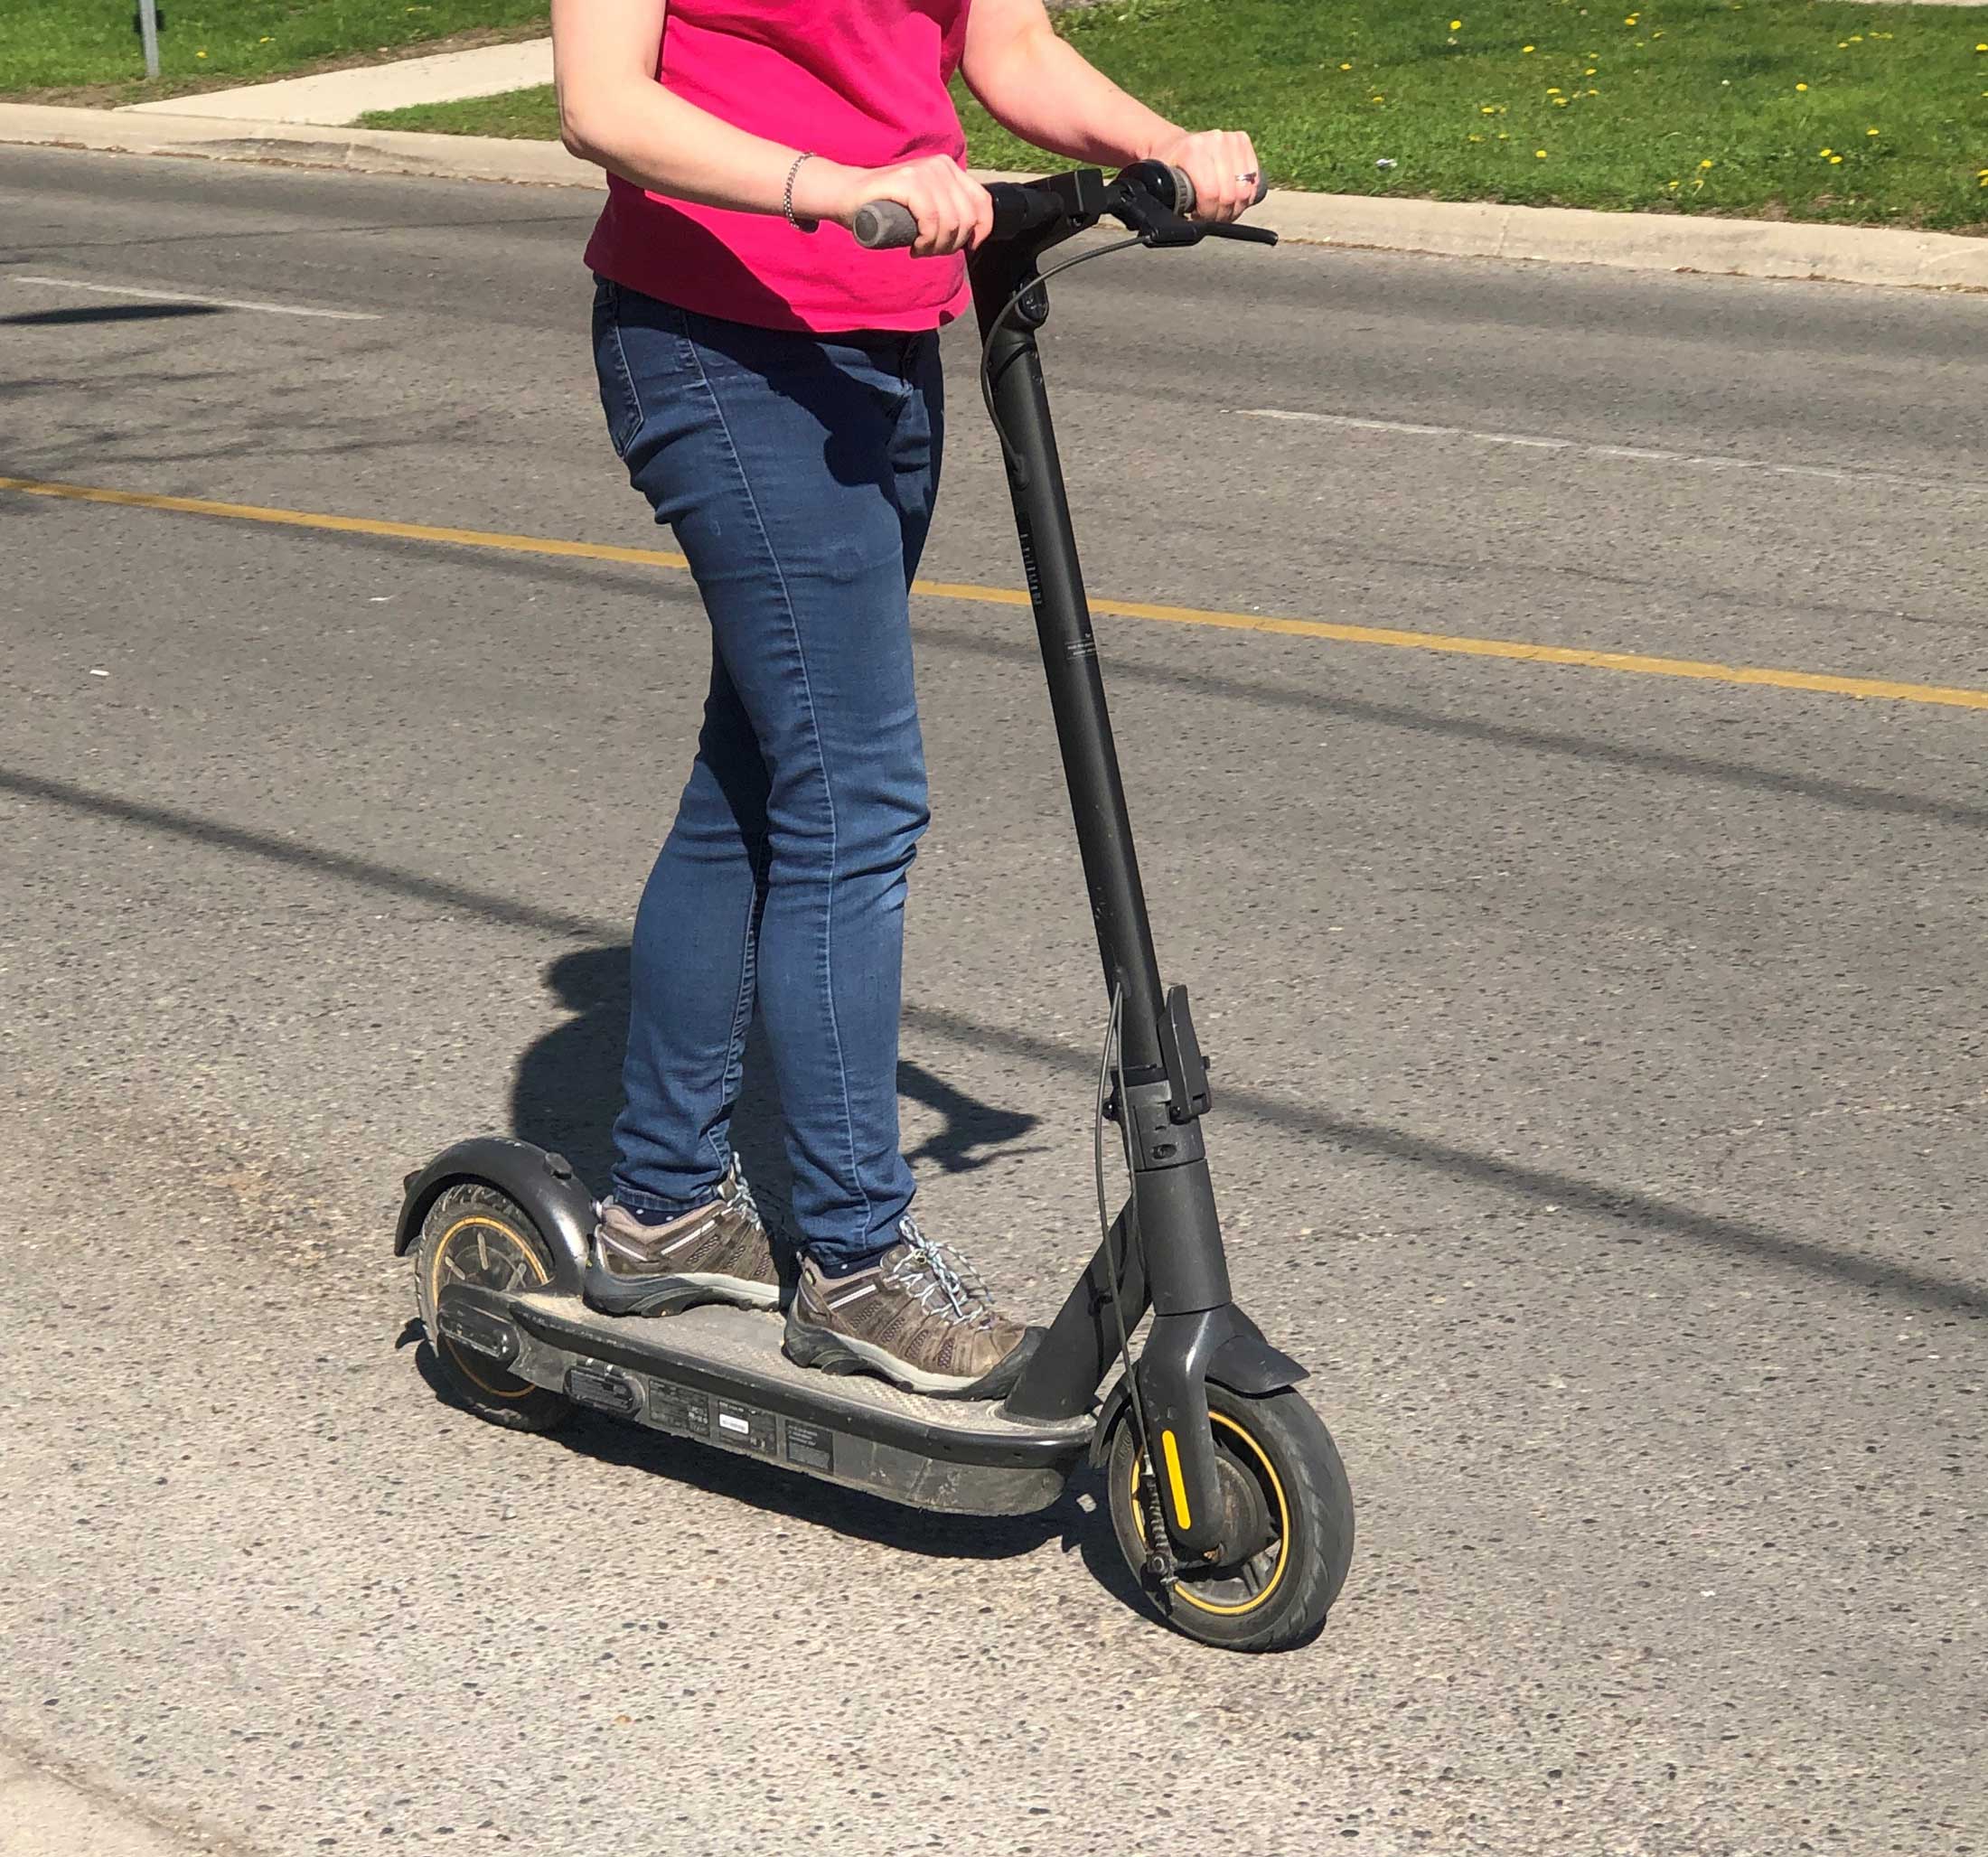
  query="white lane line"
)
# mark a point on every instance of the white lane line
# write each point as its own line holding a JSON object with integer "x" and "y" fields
{"x": 273, "y": 309}
{"x": 1632, "y": 454}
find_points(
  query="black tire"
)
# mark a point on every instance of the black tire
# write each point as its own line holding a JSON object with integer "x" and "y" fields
{"x": 475, "y": 1233}
{"x": 1275, "y": 1598}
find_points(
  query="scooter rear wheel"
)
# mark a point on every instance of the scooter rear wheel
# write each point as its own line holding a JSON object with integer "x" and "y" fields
{"x": 1274, "y": 1592}
{"x": 475, "y": 1235}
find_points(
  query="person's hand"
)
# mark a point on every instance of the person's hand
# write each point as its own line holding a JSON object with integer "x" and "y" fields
{"x": 1221, "y": 164}
{"x": 954, "y": 211}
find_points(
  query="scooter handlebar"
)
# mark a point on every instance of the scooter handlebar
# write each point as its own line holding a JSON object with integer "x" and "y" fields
{"x": 886, "y": 225}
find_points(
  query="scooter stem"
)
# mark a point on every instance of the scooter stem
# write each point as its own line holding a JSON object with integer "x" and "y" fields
{"x": 1069, "y": 650}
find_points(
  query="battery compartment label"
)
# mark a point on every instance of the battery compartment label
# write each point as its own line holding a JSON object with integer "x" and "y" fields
{"x": 744, "y": 1427}
{"x": 682, "y": 1408}
{"x": 812, "y": 1445}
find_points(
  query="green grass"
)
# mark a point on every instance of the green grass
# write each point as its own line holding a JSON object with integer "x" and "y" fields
{"x": 87, "y": 50}
{"x": 528, "y": 114}
{"x": 1688, "y": 106}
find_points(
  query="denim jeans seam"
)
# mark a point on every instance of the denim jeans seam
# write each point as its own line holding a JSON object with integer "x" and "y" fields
{"x": 735, "y": 1050}
{"x": 627, "y": 372}
{"x": 814, "y": 731}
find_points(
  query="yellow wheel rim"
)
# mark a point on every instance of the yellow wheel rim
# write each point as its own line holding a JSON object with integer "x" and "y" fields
{"x": 1184, "y": 1589}
{"x": 518, "y": 1242}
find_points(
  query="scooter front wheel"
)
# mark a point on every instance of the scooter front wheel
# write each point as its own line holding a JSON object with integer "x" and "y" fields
{"x": 473, "y": 1233}
{"x": 1272, "y": 1590}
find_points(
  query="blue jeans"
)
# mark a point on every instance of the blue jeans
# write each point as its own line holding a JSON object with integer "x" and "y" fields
{"x": 798, "y": 473}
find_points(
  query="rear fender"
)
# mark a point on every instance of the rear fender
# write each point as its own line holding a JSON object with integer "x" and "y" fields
{"x": 544, "y": 1185}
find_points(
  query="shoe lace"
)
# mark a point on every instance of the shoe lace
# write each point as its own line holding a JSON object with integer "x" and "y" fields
{"x": 930, "y": 1269}
{"x": 742, "y": 1194}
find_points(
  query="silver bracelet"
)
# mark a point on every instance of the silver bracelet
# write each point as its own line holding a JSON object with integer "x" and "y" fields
{"x": 786, "y": 197}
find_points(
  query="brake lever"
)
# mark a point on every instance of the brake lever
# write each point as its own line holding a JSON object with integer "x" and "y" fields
{"x": 1156, "y": 225}
{"x": 1247, "y": 235}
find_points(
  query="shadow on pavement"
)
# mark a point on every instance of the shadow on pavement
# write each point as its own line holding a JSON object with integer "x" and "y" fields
{"x": 108, "y": 312}
{"x": 1638, "y": 1212}
{"x": 1070, "y": 1522}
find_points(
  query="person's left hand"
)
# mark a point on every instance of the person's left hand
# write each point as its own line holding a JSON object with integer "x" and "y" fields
{"x": 1221, "y": 164}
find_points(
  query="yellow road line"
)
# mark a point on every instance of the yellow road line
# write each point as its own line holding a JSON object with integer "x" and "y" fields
{"x": 1881, "y": 688}
{"x": 345, "y": 525}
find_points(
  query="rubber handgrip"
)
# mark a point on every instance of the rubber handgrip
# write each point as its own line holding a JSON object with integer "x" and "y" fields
{"x": 1184, "y": 191}
{"x": 884, "y": 225}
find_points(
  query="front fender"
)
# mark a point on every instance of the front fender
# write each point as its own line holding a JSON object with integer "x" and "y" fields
{"x": 544, "y": 1185}
{"x": 1244, "y": 1362}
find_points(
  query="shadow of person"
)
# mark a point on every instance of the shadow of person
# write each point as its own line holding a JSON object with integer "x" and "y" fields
{"x": 969, "y": 1126}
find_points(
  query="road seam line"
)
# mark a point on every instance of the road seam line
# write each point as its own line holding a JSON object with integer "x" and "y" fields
{"x": 1633, "y": 454}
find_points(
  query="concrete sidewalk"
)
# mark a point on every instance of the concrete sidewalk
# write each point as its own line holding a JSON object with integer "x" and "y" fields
{"x": 43, "y": 1817}
{"x": 336, "y": 98}
{"x": 1633, "y": 241}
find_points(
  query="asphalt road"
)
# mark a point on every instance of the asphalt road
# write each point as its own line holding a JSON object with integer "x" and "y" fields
{"x": 1600, "y": 1079}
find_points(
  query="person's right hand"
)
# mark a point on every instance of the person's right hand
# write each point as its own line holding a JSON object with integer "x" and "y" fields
{"x": 954, "y": 211}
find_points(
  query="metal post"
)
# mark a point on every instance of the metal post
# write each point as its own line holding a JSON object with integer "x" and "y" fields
{"x": 148, "y": 29}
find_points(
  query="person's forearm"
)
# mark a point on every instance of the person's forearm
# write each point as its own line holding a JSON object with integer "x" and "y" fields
{"x": 646, "y": 135}
{"x": 1043, "y": 90}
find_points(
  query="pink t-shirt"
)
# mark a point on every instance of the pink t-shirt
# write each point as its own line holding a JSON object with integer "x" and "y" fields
{"x": 859, "y": 81}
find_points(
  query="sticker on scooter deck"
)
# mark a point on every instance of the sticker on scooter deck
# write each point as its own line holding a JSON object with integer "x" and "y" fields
{"x": 681, "y": 1409}
{"x": 744, "y": 1427}
{"x": 810, "y": 1446}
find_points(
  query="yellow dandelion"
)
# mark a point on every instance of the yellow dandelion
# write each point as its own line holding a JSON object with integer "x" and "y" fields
{"x": 1870, "y": 132}
{"x": 1588, "y": 72}
{"x": 1835, "y": 161}
{"x": 1801, "y": 87}
{"x": 1559, "y": 103}
{"x": 1539, "y": 154}
{"x": 1456, "y": 25}
{"x": 199, "y": 54}
{"x": 1378, "y": 98}
{"x": 1553, "y": 89}
{"x": 1704, "y": 164}
{"x": 1477, "y": 138}
{"x": 1528, "y": 48}
{"x": 1842, "y": 44}
{"x": 1346, "y": 67}
{"x": 1825, "y": 153}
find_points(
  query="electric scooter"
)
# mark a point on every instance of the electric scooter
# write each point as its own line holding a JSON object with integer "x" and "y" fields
{"x": 1226, "y": 1494}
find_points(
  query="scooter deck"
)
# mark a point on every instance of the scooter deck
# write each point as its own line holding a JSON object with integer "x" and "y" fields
{"x": 716, "y": 1375}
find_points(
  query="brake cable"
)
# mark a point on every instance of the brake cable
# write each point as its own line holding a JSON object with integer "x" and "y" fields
{"x": 1015, "y": 462}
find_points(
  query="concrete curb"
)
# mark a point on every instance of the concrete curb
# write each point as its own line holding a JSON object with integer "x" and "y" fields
{"x": 1636, "y": 242}
{"x": 41, "y": 1814}
{"x": 353, "y": 151}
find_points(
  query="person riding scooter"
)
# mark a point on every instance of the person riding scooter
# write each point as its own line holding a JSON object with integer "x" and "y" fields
{"x": 773, "y": 390}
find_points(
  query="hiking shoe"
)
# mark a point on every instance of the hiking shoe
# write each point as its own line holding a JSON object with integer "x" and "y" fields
{"x": 719, "y": 1253}
{"x": 920, "y": 1316}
